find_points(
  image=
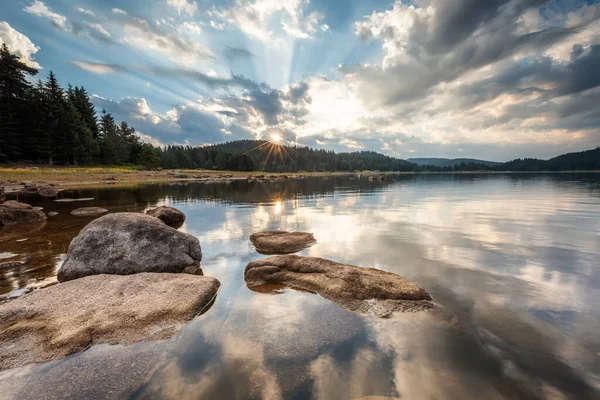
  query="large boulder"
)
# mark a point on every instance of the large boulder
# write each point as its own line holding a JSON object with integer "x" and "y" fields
{"x": 281, "y": 242}
{"x": 354, "y": 288}
{"x": 169, "y": 215}
{"x": 63, "y": 319}
{"x": 129, "y": 243}
{"x": 13, "y": 212}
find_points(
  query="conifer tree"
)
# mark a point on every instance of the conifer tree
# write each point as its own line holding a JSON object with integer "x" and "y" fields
{"x": 14, "y": 88}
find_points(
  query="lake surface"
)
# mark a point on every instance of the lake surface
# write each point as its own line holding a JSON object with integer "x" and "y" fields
{"x": 512, "y": 260}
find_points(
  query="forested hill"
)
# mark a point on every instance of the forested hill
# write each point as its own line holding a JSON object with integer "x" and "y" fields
{"x": 579, "y": 161}
{"x": 268, "y": 156}
{"x": 450, "y": 162}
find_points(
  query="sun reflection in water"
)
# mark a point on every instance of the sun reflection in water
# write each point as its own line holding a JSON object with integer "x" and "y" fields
{"x": 278, "y": 206}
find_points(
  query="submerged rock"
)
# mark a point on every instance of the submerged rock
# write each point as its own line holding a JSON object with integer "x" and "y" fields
{"x": 354, "y": 288}
{"x": 169, "y": 215}
{"x": 11, "y": 264}
{"x": 87, "y": 211}
{"x": 281, "y": 242}
{"x": 129, "y": 243}
{"x": 13, "y": 212}
{"x": 70, "y": 200}
{"x": 63, "y": 319}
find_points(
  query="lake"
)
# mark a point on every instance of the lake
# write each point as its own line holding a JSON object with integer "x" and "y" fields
{"x": 512, "y": 261}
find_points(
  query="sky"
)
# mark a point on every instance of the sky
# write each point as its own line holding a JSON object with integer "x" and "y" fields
{"x": 494, "y": 79}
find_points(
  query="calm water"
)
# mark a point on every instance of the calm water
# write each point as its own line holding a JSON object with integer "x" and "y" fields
{"x": 512, "y": 260}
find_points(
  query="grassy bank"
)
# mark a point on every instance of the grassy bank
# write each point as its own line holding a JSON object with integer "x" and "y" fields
{"x": 71, "y": 177}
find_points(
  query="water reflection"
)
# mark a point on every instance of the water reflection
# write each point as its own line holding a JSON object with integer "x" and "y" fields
{"x": 510, "y": 259}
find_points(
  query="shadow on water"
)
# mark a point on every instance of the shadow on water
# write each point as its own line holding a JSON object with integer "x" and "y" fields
{"x": 510, "y": 260}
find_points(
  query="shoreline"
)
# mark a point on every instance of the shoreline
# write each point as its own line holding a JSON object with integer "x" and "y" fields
{"x": 75, "y": 177}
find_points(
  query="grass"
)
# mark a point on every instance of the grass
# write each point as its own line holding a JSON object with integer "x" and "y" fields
{"x": 104, "y": 175}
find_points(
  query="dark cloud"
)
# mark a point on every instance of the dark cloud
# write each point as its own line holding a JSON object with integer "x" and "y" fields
{"x": 457, "y": 20}
{"x": 461, "y": 36}
{"x": 541, "y": 75}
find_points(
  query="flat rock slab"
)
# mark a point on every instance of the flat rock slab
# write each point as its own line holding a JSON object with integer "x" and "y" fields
{"x": 13, "y": 212}
{"x": 357, "y": 289}
{"x": 63, "y": 319}
{"x": 169, "y": 215}
{"x": 281, "y": 242}
{"x": 89, "y": 211}
{"x": 69, "y": 200}
{"x": 129, "y": 243}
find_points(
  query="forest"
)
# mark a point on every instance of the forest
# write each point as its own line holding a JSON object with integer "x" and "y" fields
{"x": 46, "y": 123}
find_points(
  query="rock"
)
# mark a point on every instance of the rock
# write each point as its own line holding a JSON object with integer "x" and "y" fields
{"x": 48, "y": 191}
{"x": 354, "y": 288}
{"x": 29, "y": 191}
{"x": 13, "y": 212}
{"x": 70, "y": 200}
{"x": 281, "y": 242}
{"x": 2, "y": 195}
{"x": 11, "y": 264}
{"x": 181, "y": 176}
{"x": 63, "y": 319}
{"x": 169, "y": 215}
{"x": 129, "y": 243}
{"x": 86, "y": 211}
{"x": 52, "y": 214}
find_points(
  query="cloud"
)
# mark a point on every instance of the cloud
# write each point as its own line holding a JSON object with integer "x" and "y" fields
{"x": 266, "y": 19}
{"x": 99, "y": 30}
{"x": 60, "y": 22}
{"x": 254, "y": 113}
{"x": 85, "y": 11}
{"x": 40, "y": 9}
{"x": 19, "y": 44}
{"x": 118, "y": 11}
{"x": 237, "y": 53}
{"x": 98, "y": 68}
{"x": 193, "y": 124}
{"x": 494, "y": 83}
{"x": 185, "y": 6}
{"x": 139, "y": 33}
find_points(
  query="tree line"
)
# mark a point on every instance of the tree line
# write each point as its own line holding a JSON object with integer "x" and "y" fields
{"x": 44, "y": 122}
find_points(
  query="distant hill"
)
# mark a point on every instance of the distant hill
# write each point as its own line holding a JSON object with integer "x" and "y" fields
{"x": 579, "y": 161}
{"x": 267, "y": 156}
{"x": 260, "y": 155}
{"x": 450, "y": 162}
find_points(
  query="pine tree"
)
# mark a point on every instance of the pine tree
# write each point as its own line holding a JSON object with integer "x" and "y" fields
{"x": 13, "y": 102}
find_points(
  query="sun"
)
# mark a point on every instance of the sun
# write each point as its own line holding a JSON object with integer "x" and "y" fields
{"x": 276, "y": 138}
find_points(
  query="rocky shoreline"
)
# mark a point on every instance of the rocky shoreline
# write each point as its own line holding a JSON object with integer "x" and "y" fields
{"x": 130, "y": 277}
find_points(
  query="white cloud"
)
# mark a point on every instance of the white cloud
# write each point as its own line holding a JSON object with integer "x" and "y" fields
{"x": 194, "y": 28}
{"x": 40, "y": 9}
{"x": 19, "y": 44}
{"x": 186, "y": 6}
{"x": 85, "y": 11}
{"x": 138, "y": 32}
{"x": 260, "y": 18}
{"x": 351, "y": 144}
{"x": 119, "y": 11}
{"x": 99, "y": 28}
